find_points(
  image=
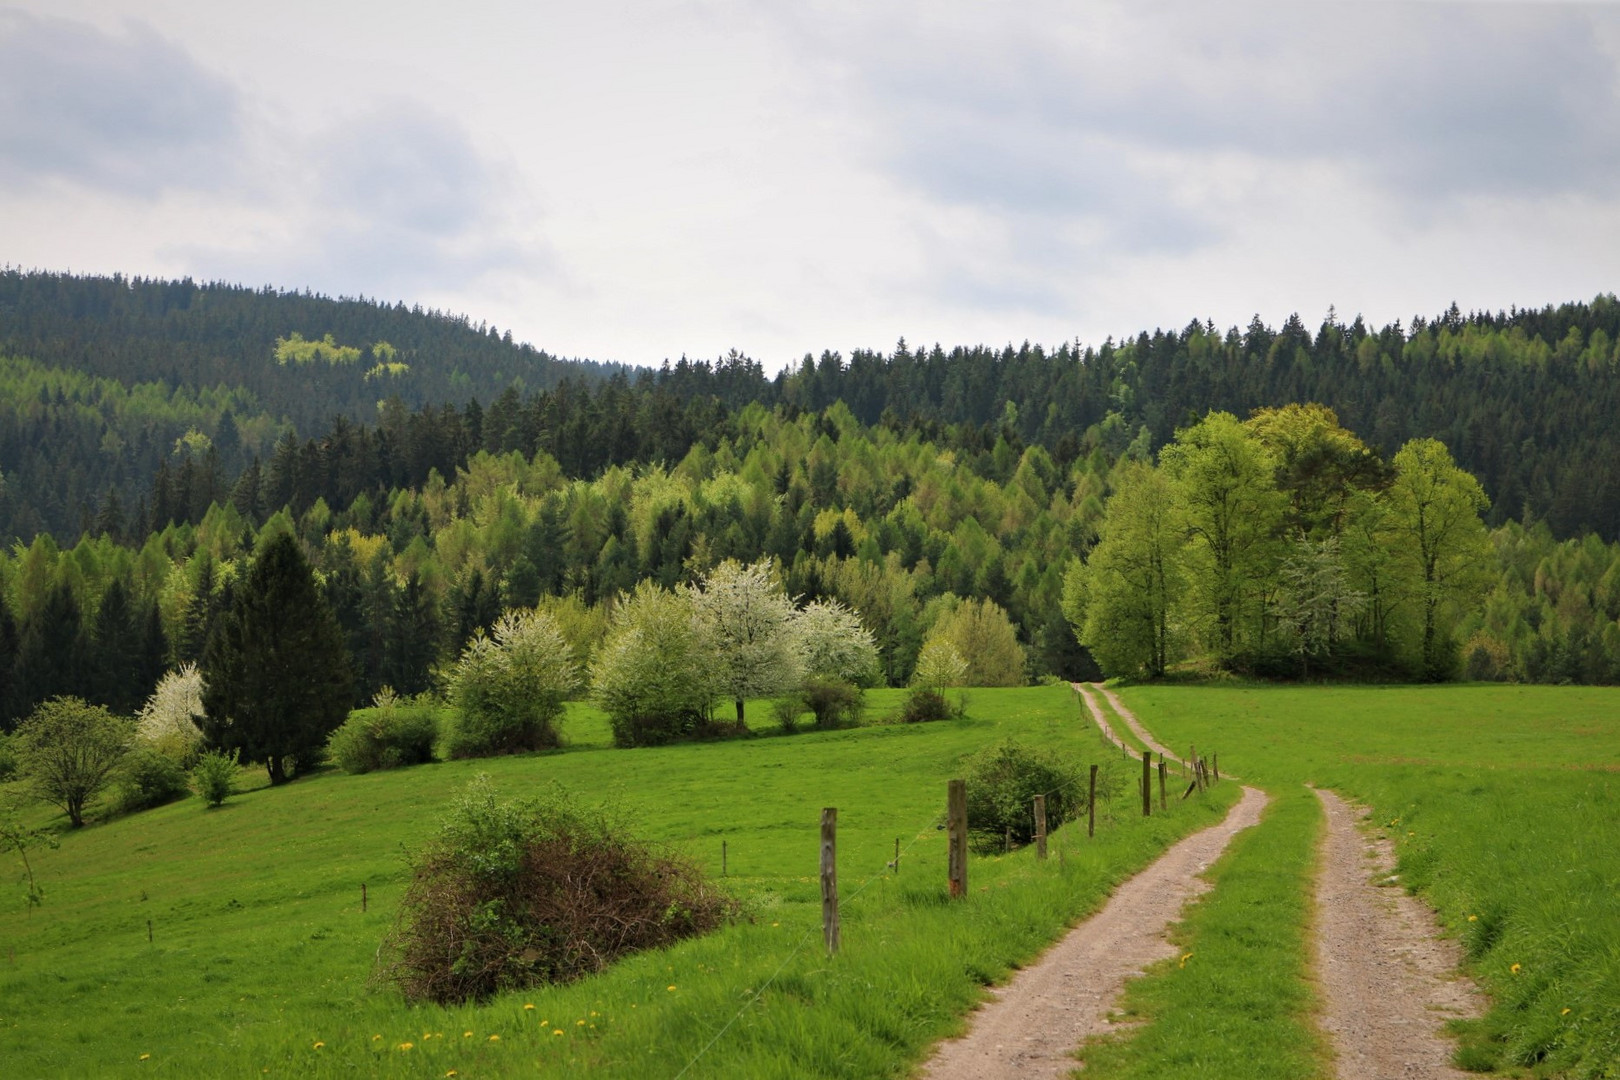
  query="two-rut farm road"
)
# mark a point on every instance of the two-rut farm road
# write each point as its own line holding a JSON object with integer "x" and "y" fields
{"x": 1388, "y": 980}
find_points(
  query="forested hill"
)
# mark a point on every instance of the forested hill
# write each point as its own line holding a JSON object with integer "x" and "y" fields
{"x": 181, "y": 333}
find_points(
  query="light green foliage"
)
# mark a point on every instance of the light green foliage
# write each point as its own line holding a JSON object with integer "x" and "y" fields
{"x": 290, "y": 930}
{"x": 834, "y": 645}
{"x": 1315, "y": 602}
{"x": 148, "y": 777}
{"x": 1441, "y": 549}
{"x": 214, "y": 776}
{"x": 747, "y": 620}
{"x": 653, "y": 674}
{"x": 67, "y": 752}
{"x": 1225, "y": 484}
{"x": 985, "y": 640}
{"x": 1121, "y": 599}
{"x": 20, "y": 838}
{"x": 296, "y": 350}
{"x": 509, "y": 687}
{"x": 939, "y": 665}
{"x": 1503, "y": 804}
{"x": 582, "y": 625}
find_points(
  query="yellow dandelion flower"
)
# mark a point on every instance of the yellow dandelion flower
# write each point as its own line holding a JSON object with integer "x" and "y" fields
{"x": 1473, "y": 918}
{"x": 406, "y": 1046}
{"x": 145, "y": 1057}
{"x": 452, "y": 1072}
{"x": 776, "y": 924}
{"x": 1184, "y": 958}
{"x": 593, "y": 1013}
{"x": 494, "y": 1038}
{"x": 579, "y": 1023}
{"x": 671, "y": 986}
{"x": 374, "y": 1038}
{"x": 528, "y": 1006}
{"x": 318, "y": 1045}
{"x": 1564, "y": 1013}
{"x": 559, "y": 1031}
{"x": 466, "y": 1034}
{"x": 1514, "y": 969}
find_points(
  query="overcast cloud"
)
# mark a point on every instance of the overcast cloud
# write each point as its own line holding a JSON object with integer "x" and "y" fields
{"x": 666, "y": 178}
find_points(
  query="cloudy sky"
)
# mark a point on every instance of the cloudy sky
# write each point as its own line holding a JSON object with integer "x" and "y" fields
{"x": 637, "y": 181}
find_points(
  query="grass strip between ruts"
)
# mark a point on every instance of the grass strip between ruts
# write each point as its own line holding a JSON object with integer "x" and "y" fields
{"x": 1236, "y": 1000}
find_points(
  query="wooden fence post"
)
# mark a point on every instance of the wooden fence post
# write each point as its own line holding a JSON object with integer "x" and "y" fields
{"x": 362, "y": 898}
{"x": 956, "y": 824}
{"x": 1215, "y": 764}
{"x": 896, "y": 863}
{"x": 1091, "y": 805}
{"x": 722, "y": 858}
{"x": 829, "y": 877}
{"x": 1147, "y": 783}
{"x": 1040, "y": 826}
{"x": 1163, "y": 769}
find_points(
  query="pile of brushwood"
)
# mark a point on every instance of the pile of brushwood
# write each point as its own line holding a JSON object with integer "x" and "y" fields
{"x": 511, "y": 894}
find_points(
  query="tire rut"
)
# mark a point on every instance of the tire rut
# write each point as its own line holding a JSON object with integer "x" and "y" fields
{"x": 1032, "y": 1026}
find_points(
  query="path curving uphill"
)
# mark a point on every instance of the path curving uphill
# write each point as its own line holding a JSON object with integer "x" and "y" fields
{"x": 1032, "y": 1026}
{"x": 1389, "y": 980}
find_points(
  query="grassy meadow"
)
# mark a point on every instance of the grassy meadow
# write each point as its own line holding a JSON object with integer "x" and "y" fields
{"x": 1504, "y": 803}
{"x": 261, "y": 959}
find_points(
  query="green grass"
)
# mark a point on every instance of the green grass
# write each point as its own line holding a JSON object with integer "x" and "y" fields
{"x": 1235, "y": 1001}
{"x": 1504, "y": 803}
{"x": 260, "y": 949}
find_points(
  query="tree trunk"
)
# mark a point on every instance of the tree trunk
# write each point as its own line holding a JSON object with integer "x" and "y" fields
{"x": 739, "y": 712}
{"x": 277, "y": 769}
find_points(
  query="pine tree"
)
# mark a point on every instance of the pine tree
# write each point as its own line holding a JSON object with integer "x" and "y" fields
{"x": 413, "y": 639}
{"x": 276, "y": 673}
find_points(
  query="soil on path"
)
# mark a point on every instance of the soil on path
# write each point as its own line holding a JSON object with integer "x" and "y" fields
{"x": 1389, "y": 980}
{"x": 1135, "y": 725}
{"x": 1032, "y": 1026}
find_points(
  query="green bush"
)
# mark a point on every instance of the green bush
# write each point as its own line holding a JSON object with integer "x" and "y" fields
{"x": 923, "y": 705}
{"x": 386, "y": 737}
{"x": 514, "y": 894}
{"x": 509, "y": 688}
{"x": 8, "y": 759}
{"x": 214, "y": 776}
{"x": 148, "y": 777}
{"x": 834, "y": 704}
{"x": 1002, "y": 782}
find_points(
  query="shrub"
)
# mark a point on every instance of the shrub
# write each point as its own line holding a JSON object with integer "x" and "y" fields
{"x": 513, "y": 894}
{"x": 1002, "y": 782}
{"x": 388, "y": 736}
{"x": 214, "y": 776}
{"x": 923, "y": 706}
{"x": 509, "y": 688}
{"x": 8, "y": 758}
{"x": 148, "y": 777}
{"x": 834, "y": 704}
{"x": 787, "y": 712}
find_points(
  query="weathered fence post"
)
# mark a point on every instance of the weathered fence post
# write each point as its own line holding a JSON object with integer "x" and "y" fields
{"x": 1215, "y": 764}
{"x": 1147, "y": 783}
{"x": 722, "y": 858}
{"x": 1040, "y": 826}
{"x": 1163, "y": 769}
{"x": 1091, "y": 805}
{"x": 149, "y": 931}
{"x": 956, "y": 825}
{"x": 896, "y": 863}
{"x": 362, "y": 898}
{"x": 829, "y": 877}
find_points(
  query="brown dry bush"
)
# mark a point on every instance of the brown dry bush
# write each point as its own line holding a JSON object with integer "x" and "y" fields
{"x": 514, "y": 894}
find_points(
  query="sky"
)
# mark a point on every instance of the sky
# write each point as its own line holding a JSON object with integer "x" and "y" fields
{"x": 645, "y": 180}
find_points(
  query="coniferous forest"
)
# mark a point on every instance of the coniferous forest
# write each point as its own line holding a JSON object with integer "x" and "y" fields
{"x": 153, "y": 433}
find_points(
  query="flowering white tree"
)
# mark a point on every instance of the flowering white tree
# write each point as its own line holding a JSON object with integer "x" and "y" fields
{"x": 834, "y": 645}
{"x": 748, "y": 621}
{"x": 509, "y": 687}
{"x": 654, "y": 673}
{"x": 168, "y": 720}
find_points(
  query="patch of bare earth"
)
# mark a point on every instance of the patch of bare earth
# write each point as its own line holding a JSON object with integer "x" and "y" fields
{"x": 1031, "y": 1027}
{"x": 1389, "y": 980}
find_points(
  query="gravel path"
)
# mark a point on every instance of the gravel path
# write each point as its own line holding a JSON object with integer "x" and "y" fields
{"x": 1032, "y": 1026}
{"x": 1135, "y": 725}
{"x": 1389, "y": 981}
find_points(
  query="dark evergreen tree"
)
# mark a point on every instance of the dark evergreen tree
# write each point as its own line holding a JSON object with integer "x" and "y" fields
{"x": 275, "y": 670}
{"x": 413, "y": 639}
{"x": 114, "y": 653}
{"x": 50, "y": 662}
{"x": 477, "y": 604}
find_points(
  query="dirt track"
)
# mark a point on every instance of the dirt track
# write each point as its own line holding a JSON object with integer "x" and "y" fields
{"x": 1388, "y": 979}
{"x": 1032, "y": 1026}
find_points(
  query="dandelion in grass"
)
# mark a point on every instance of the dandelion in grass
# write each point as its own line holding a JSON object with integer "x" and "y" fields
{"x": 528, "y": 1006}
{"x": 374, "y": 1038}
{"x": 494, "y": 1038}
{"x": 1473, "y": 918}
{"x": 452, "y": 1072}
{"x": 147, "y": 1057}
{"x": 559, "y": 1031}
{"x": 318, "y": 1045}
{"x": 670, "y": 987}
{"x": 1514, "y": 969}
{"x": 1185, "y": 957}
{"x": 466, "y": 1034}
{"x": 406, "y": 1046}
{"x": 1564, "y": 1013}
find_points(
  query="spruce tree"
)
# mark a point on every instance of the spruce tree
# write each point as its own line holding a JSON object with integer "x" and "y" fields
{"x": 276, "y": 671}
